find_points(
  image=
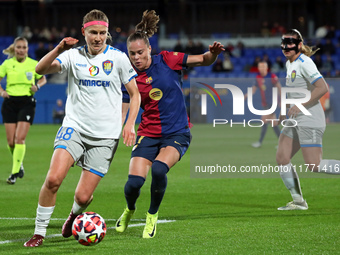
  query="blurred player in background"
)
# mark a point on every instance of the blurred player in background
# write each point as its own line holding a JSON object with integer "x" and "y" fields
{"x": 163, "y": 134}
{"x": 265, "y": 82}
{"x": 307, "y": 134}
{"x": 58, "y": 112}
{"x": 91, "y": 128}
{"x": 18, "y": 108}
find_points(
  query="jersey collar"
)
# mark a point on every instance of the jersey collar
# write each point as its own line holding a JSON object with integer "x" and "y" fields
{"x": 298, "y": 57}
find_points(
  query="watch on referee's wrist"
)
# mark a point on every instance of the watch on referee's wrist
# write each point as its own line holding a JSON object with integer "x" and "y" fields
{"x": 38, "y": 86}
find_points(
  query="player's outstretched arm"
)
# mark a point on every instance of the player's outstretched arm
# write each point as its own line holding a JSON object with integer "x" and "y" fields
{"x": 207, "y": 58}
{"x": 48, "y": 64}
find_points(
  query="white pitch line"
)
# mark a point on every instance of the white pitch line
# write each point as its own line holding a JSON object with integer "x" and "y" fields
{"x": 59, "y": 235}
{"x": 63, "y": 219}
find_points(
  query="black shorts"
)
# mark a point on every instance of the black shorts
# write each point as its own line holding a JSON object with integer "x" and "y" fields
{"x": 18, "y": 108}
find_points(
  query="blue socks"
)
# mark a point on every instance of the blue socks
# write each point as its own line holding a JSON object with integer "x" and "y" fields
{"x": 132, "y": 190}
{"x": 158, "y": 185}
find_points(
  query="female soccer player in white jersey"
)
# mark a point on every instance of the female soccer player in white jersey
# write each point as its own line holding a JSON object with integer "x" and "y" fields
{"x": 91, "y": 128}
{"x": 307, "y": 134}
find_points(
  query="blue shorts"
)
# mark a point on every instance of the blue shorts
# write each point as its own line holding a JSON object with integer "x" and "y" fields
{"x": 149, "y": 147}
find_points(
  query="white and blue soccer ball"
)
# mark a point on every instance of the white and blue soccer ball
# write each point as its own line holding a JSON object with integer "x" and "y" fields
{"x": 89, "y": 228}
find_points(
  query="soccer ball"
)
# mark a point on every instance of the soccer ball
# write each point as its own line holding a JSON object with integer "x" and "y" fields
{"x": 89, "y": 228}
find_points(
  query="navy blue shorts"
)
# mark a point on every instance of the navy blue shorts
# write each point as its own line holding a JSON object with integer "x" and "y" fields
{"x": 149, "y": 147}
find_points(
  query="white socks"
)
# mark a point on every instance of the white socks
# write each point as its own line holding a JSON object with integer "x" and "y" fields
{"x": 329, "y": 166}
{"x": 291, "y": 180}
{"x": 77, "y": 209}
{"x": 44, "y": 215}
{"x": 43, "y": 218}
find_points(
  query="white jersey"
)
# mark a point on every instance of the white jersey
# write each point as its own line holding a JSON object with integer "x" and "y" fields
{"x": 303, "y": 73}
{"x": 94, "y": 101}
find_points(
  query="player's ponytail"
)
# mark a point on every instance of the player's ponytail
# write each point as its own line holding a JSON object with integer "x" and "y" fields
{"x": 308, "y": 50}
{"x": 305, "y": 49}
{"x": 10, "y": 49}
{"x": 146, "y": 28}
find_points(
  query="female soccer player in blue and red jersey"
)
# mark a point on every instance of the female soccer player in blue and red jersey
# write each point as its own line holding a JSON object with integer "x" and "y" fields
{"x": 265, "y": 82}
{"x": 163, "y": 135}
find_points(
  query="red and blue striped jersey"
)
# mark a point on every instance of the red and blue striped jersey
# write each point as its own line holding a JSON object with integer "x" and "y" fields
{"x": 266, "y": 84}
{"x": 162, "y": 98}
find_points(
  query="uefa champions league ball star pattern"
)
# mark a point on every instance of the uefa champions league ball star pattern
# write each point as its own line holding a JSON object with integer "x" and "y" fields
{"x": 89, "y": 228}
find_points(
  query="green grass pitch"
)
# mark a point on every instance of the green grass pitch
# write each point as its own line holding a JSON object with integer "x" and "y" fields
{"x": 208, "y": 215}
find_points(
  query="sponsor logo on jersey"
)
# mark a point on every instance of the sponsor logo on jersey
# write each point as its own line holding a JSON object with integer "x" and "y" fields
{"x": 155, "y": 94}
{"x": 29, "y": 75}
{"x": 94, "y": 83}
{"x": 81, "y": 65}
{"x": 314, "y": 74}
{"x": 293, "y": 76}
{"x": 148, "y": 80}
{"x": 94, "y": 70}
{"x": 107, "y": 66}
{"x": 131, "y": 70}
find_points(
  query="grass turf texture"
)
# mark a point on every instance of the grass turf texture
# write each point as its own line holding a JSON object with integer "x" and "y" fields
{"x": 212, "y": 216}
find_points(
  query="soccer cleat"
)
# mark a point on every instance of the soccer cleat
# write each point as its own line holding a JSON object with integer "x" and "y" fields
{"x": 124, "y": 220}
{"x": 21, "y": 171}
{"x": 35, "y": 241}
{"x": 150, "y": 226}
{"x": 67, "y": 227}
{"x": 12, "y": 178}
{"x": 294, "y": 206}
{"x": 256, "y": 145}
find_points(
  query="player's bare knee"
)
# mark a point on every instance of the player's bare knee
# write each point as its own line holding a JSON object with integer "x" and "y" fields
{"x": 53, "y": 183}
{"x": 19, "y": 140}
{"x": 281, "y": 159}
{"x": 82, "y": 199}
